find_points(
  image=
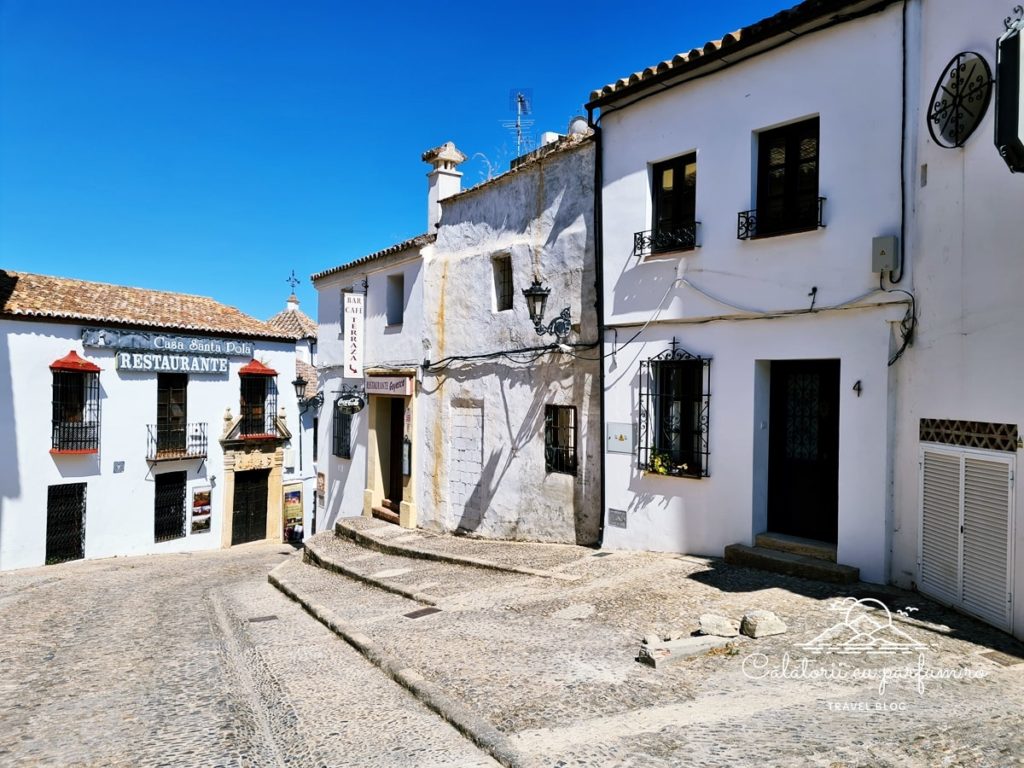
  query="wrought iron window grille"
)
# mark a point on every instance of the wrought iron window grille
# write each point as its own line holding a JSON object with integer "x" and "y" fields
{"x": 75, "y": 426}
{"x": 342, "y": 433}
{"x": 258, "y": 406}
{"x": 560, "y": 438}
{"x": 176, "y": 441}
{"x": 65, "y": 522}
{"x": 655, "y": 241}
{"x": 805, "y": 219}
{"x": 169, "y": 506}
{"x": 674, "y": 414}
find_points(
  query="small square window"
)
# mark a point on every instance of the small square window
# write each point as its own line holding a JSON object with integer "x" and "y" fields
{"x": 396, "y": 299}
{"x": 560, "y": 438}
{"x": 502, "y": 268}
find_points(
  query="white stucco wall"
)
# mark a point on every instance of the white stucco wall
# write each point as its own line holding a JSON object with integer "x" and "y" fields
{"x": 119, "y": 507}
{"x": 967, "y": 361}
{"x": 824, "y": 75}
{"x": 483, "y": 464}
{"x": 383, "y": 346}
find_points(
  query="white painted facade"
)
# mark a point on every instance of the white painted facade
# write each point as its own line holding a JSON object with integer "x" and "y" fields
{"x": 388, "y": 349}
{"x": 119, "y": 518}
{"x": 744, "y": 303}
{"x": 967, "y": 361}
{"x": 483, "y": 418}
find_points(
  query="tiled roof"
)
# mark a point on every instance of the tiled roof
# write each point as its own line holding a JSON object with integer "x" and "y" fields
{"x": 413, "y": 242}
{"x": 743, "y": 39}
{"x": 294, "y": 323}
{"x": 308, "y": 372}
{"x": 26, "y": 295}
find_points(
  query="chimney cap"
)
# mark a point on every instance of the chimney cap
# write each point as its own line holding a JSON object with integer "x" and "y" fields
{"x": 446, "y": 155}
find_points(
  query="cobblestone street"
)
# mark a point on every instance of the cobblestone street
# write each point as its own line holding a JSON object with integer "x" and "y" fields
{"x": 194, "y": 660}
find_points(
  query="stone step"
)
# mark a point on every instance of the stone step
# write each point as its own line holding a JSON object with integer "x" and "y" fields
{"x": 797, "y": 545}
{"x": 790, "y": 564}
{"x": 385, "y": 514}
{"x": 424, "y": 581}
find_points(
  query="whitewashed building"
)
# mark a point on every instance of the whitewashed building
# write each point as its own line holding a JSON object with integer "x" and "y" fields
{"x": 747, "y": 331}
{"x": 511, "y": 416}
{"x": 136, "y": 421}
{"x": 449, "y": 411}
{"x": 958, "y": 523}
{"x": 374, "y": 361}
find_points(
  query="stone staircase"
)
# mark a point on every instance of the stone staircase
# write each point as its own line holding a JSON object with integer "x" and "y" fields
{"x": 792, "y": 556}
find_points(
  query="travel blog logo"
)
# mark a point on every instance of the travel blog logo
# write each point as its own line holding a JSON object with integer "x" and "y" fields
{"x": 867, "y": 627}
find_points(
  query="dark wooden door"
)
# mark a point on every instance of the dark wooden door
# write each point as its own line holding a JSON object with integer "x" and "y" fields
{"x": 249, "y": 517}
{"x": 803, "y": 459}
{"x": 397, "y": 434}
{"x": 171, "y": 413}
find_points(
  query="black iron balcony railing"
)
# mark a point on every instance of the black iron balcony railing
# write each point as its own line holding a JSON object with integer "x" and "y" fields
{"x": 653, "y": 241}
{"x": 75, "y": 437}
{"x": 802, "y": 218}
{"x": 176, "y": 441}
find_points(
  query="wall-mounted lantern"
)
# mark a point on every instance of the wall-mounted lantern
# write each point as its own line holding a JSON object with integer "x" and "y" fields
{"x": 536, "y": 302}
{"x": 300, "y": 393}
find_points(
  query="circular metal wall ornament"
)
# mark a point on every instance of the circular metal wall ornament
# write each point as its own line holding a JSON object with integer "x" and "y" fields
{"x": 960, "y": 99}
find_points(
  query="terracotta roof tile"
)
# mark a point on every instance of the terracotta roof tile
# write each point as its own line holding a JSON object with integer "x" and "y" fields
{"x": 26, "y": 295}
{"x": 294, "y": 323}
{"x": 308, "y": 372}
{"x": 802, "y": 13}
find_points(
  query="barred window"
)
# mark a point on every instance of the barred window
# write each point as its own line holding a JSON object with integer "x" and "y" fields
{"x": 560, "y": 438}
{"x": 342, "y": 433}
{"x": 259, "y": 405}
{"x": 502, "y": 266}
{"x": 674, "y": 410}
{"x": 75, "y": 424}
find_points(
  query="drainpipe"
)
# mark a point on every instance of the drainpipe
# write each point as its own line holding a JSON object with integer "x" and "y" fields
{"x": 599, "y": 307}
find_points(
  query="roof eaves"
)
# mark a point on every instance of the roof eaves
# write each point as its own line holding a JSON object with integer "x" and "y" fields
{"x": 747, "y": 41}
{"x": 413, "y": 242}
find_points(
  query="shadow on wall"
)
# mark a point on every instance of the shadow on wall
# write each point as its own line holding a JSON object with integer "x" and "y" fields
{"x": 10, "y": 477}
{"x": 523, "y": 422}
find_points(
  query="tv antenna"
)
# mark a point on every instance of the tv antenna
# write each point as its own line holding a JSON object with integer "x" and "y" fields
{"x": 520, "y": 101}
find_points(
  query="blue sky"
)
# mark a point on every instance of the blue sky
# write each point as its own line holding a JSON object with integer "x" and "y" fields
{"x": 212, "y": 147}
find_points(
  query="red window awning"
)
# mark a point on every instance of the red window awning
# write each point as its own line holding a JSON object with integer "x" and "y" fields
{"x": 255, "y": 368}
{"x": 72, "y": 362}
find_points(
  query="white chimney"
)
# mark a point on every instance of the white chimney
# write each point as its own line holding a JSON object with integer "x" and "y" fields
{"x": 444, "y": 181}
{"x": 293, "y": 303}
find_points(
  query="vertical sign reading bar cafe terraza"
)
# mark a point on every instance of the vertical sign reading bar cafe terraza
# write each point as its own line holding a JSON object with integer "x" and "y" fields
{"x": 353, "y": 336}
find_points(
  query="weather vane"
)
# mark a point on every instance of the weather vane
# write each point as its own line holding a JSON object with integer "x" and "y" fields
{"x": 293, "y": 280}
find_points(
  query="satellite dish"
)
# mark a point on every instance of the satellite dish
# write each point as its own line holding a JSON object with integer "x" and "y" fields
{"x": 578, "y": 126}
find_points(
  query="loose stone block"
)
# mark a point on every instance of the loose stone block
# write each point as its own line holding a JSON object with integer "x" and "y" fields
{"x": 721, "y": 626}
{"x": 762, "y": 624}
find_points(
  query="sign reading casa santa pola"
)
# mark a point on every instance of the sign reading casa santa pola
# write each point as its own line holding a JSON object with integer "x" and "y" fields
{"x": 164, "y": 343}
{"x": 353, "y": 336}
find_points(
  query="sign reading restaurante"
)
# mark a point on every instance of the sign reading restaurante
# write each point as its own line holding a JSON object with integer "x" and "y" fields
{"x": 163, "y": 352}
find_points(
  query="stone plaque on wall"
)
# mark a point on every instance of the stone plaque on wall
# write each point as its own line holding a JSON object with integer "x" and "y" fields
{"x": 616, "y": 518}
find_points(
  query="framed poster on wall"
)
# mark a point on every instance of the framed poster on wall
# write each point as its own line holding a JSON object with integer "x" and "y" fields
{"x": 292, "y": 509}
{"x": 201, "y": 509}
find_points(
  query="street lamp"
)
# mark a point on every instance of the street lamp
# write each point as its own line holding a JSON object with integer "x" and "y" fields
{"x": 300, "y": 393}
{"x": 536, "y": 302}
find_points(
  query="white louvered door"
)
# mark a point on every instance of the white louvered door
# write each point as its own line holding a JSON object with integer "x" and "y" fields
{"x": 966, "y": 518}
